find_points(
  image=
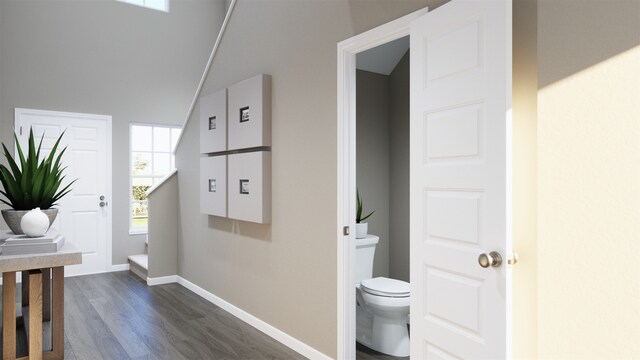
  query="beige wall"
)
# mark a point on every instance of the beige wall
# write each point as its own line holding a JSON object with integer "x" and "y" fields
{"x": 588, "y": 155}
{"x": 399, "y": 171}
{"x": 105, "y": 57}
{"x": 575, "y": 212}
{"x": 283, "y": 273}
{"x": 372, "y": 159}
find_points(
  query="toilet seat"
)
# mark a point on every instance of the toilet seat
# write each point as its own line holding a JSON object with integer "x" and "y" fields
{"x": 382, "y": 286}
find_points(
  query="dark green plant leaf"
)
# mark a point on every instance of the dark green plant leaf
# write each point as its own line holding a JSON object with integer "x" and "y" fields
{"x": 35, "y": 182}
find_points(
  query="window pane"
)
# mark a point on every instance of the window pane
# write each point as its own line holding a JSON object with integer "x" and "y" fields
{"x": 139, "y": 222}
{"x": 140, "y": 163}
{"x": 156, "y": 4}
{"x": 162, "y": 139}
{"x": 142, "y": 181}
{"x": 175, "y": 134}
{"x": 140, "y": 138}
{"x": 161, "y": 164}
{"x": 135, "y": 2}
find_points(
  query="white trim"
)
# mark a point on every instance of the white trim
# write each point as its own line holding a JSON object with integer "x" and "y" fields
{"x": 114, "y": 268}
{"x": 347, "y": 51}
{"x": 206, "y": 70}
{"x": 164, "y": 179}
{"x": 109, "y": 177}
{"x": 277, "y": 334}
{"x": 162, "y": 280}
{"x": 119, "y": 267}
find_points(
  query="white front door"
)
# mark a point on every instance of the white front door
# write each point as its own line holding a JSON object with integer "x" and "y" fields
{"x": 82, "y": 219}
{"x": 460, "y": 180}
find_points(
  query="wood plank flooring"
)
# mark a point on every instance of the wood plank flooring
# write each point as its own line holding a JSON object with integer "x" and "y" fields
{"x": 117, "y": 316}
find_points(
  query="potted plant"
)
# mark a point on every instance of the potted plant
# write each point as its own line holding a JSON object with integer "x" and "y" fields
{"x": 362, "y": 228}
{"x": 32, "y": 183}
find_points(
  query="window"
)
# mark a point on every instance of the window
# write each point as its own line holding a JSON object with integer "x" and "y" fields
{"x": 162, "y": 5}
{"x": 151, "y": 160}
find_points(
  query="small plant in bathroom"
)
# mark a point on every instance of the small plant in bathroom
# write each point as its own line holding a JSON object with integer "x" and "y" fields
{"x": 361, "y": 226}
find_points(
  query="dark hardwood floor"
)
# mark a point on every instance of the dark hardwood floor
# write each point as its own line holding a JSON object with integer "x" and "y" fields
{"x": 117, "y": 316}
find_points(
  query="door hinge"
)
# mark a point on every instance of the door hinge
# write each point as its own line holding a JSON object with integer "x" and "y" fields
{"x": 21, "y": 130}
{"x": 345, "y": 231}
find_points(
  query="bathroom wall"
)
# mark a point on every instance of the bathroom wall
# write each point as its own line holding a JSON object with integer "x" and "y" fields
{"x": 105, "y": 57}
{"x": 372, "y": 159}
{"x": 399, "y": 170}
{"x": 283, "y": 273}
{"x": 382, "y": 113}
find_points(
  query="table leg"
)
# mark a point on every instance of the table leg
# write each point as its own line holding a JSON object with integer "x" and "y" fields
{"x": 9, "y": 315}
{"x": 35, "y": 315}
{"x": 57, "y": 316}
{"x": 46, "y": 294}
{"x": 25, "y": 288}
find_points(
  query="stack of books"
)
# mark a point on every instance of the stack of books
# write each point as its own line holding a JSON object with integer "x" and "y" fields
{"x": 52, "y": 241}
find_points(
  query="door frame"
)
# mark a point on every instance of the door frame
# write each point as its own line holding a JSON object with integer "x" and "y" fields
{"x": 346, "y": 146}
{"x": 109, "y": 192}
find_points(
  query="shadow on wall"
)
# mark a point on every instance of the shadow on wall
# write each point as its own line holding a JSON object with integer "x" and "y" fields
{"x": 244, "y": 228}
{"x": 579, "y": 34}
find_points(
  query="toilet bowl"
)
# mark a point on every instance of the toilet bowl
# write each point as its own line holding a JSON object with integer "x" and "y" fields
{"x": 381, "y": 315}
{"x": 382, "y": 305}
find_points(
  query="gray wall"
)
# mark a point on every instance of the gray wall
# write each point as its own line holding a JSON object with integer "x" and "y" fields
{"x": 372, "y": 159}
{"x": 283, "y": 273}
{"x": 399, "y": 170}
{"x": 382, "y": 170}
{"x": 106, "y": 57}
{"x": 163, "y": 229}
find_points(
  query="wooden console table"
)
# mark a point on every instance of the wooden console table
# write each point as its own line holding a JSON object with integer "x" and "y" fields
{"x": 32, "y": 267}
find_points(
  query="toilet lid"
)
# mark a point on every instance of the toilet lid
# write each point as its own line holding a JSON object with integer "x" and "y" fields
{"x": 382, "y": 286}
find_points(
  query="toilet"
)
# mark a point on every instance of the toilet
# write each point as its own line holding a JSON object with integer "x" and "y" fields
{"x": 382, "y": 305}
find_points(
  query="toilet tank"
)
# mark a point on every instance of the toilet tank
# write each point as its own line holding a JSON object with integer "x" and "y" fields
{"x": 365, "y": 250}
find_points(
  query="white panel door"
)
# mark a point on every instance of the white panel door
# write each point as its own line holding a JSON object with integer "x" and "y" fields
{"x": 81, "y": 218}
{"x": 460, "y": 180}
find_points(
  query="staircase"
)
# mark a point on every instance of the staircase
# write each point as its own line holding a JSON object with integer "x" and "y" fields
{"x": 139, "y": 264}
{"x": 162, "y": 237}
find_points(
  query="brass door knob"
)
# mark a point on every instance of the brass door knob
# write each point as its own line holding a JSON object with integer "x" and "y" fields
{"x": 492, "y": 259}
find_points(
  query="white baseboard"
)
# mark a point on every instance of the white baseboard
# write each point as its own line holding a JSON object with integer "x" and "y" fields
{"x": 279, "y": 335}
{"x": 162, "y": 280}
{"x": 120, "y": 267}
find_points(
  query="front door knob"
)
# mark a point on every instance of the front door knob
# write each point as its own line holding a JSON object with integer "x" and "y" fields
{"x": 492, "y": 259}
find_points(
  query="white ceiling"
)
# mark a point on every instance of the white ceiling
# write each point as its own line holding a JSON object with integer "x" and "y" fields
{"x": 384, "y": 58}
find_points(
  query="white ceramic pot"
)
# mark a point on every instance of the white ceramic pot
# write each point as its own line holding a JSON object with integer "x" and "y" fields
{"x": 34, "y": 223}
{"x": 361, "y": 230}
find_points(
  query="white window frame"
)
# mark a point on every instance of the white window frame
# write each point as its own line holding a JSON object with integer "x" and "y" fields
{"x": 144, "y": 4}
{"x": 135, "y": 230}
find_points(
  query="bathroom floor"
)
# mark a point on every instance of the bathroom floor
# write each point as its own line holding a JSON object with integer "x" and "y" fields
{"x": 364, "y": 353}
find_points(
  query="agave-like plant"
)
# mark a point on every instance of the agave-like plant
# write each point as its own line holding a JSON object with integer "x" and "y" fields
{"x": 33, "y": 184}
{"x": 359, "y": 217}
